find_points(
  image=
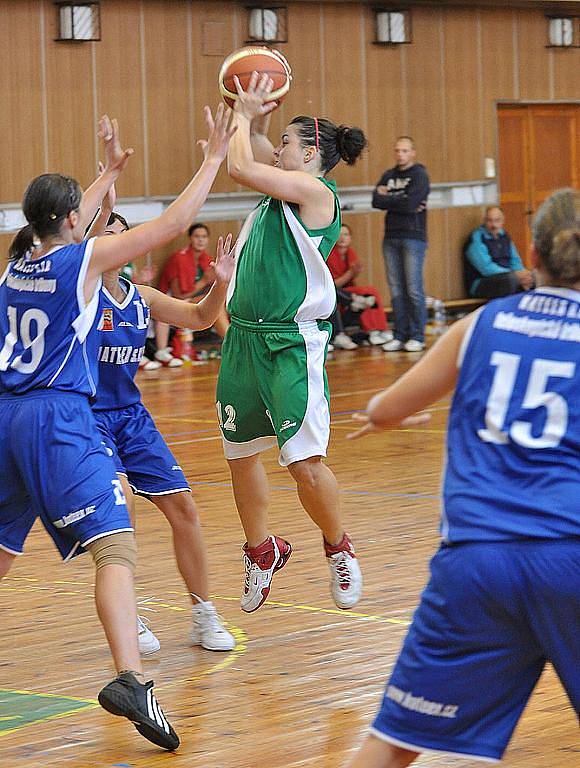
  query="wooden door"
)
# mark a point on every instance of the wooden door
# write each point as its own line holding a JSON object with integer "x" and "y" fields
{"x": 538, "y": 153}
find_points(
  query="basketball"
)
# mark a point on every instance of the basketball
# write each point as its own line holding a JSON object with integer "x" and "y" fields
{"x": 247, "y": 60}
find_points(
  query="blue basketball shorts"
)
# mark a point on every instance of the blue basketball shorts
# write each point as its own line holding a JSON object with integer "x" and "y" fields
{"x": 53, "y": 465}
{"x": 139, "y": 451}
{"x": 489, "y": 619}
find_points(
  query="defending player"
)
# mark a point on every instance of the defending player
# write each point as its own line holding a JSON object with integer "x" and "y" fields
{"x": 504, "y": 593}
{"x": 144, "y": 463}
{"x": 272, "y": 384}
{"x": 52, "y": 462}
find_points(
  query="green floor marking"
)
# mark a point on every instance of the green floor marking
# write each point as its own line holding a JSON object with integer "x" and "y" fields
{"x": 21, "y": 708}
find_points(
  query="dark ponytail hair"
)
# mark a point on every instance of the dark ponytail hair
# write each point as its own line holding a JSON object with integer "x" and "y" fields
{"x": 22, "y": 244}
{"x": 117, "y": 217}
{"x": 334, "y": 142}
{"x": 556, "y": 235}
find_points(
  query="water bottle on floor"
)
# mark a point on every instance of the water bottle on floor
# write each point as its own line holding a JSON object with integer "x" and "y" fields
{"x": 439, "y": 317}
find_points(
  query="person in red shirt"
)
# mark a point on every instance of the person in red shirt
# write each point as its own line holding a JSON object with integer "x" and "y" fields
{"x": 345, "y": 266}
{"x": 187, "y": 274}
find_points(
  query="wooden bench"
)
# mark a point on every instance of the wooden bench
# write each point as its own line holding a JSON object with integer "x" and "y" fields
{"x": 453, "y": 306}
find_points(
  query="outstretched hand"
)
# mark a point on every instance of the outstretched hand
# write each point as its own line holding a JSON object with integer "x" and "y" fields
{"x": 115, "y": 157}
{"x": 220, "y": 132}
{"x": 225, "y": 261}
{"x": 253, "y": 102}
{"x": 368, "y": 426}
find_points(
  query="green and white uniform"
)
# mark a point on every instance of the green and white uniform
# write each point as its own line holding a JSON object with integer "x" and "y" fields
{"x": 272, "y": 385}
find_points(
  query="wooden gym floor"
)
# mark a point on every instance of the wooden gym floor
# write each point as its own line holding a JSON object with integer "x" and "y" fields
{"x": 305, "y": 678}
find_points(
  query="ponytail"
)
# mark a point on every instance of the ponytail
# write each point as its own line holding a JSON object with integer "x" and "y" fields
{"x": 334, "y": 142}
{"x": 22, "y": 244}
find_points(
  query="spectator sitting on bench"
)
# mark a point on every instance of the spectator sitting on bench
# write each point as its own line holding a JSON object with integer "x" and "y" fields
{"x": 344, "y": 266}
{"x": 493, "y": 267}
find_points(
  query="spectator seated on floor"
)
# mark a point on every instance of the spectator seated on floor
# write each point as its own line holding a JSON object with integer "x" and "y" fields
{"x": 364, "y": 300}
{"x": 187, "y": 274}
{"x": 492, "y": 264}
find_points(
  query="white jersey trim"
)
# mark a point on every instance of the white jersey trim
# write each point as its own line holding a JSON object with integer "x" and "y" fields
{"x": 555, "y": 290}
{"x": 7, "y": 549}
{"x": 320, "y": 297}
{"x": 414, "y": 748}
{"x": 87, "y": 310}
{"x": 313, "y": 435}
{"x": 467, "y": 337}
{"x": 128, "y": 296}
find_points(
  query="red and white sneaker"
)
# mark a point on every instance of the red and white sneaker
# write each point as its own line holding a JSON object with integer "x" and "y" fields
{"x": 345, "y": 575}
{"x": 261, "y": 563}
{"x": 165, "y": 357}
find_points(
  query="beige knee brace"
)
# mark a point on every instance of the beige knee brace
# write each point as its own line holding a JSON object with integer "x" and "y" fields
{"x": 115, "y": 549}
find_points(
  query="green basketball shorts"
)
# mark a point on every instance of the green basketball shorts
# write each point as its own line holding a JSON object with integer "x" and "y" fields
{"x": 272, "y": 388}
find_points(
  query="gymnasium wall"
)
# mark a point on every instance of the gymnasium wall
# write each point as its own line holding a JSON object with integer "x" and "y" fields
{"x": 157, "y": 63}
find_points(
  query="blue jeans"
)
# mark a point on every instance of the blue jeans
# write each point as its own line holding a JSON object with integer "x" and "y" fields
{"x": 404, "y": 266}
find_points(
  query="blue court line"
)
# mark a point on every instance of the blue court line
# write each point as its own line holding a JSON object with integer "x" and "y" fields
{"x": 349, "y": 491}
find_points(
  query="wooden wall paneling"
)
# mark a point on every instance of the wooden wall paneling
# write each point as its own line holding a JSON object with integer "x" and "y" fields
{"x": 533, "y": 56}
{"x": 566, "y": 65}
{"x": 72, "y": 121}
{"x": 345, "y": 89}
{"x": 5, "y": 240}
{"x": 386, "y": 86}
{"x": 224, "y": 23}
{"x": 21, "y": 117}
{"x": 427, "y": 98}
{"x": 463, "y": 111}
{"x": 497, "y": 67}
{"x": 303, "y": 51}
{"x": 119, "y": 85}
{"x": 166, "y": 49}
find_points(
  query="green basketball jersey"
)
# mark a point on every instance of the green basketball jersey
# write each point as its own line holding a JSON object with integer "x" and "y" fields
{"x": 281, "y": 273}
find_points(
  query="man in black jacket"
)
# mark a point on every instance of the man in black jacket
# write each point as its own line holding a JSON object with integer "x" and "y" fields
{"x": 402, "y": 192}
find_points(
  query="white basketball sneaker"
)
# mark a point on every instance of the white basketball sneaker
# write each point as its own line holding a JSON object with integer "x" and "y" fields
{"x": 148, "y": 643}
{"x": 208, "y": 630}
{"x": 345, "y": 574}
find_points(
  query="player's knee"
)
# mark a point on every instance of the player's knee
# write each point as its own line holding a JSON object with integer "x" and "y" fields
{"x": 180, "y": 510}
{"x": 306, "y": 472}
{"x": 115, "y": 549}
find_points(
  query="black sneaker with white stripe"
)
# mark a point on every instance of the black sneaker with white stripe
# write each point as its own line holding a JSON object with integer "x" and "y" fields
{"x": 127, "y": 697}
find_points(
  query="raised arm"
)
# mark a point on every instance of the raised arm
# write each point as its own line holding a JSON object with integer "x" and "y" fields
{"x": 99, "y": 224}
{"x": 262, "y": 147}
{"x": 426, "y": 382}
{"x": 113, "y": 251}
{"x": 195, "y": 316}
{"x": 292, "y": 186}
{"x": 115, "y": 161}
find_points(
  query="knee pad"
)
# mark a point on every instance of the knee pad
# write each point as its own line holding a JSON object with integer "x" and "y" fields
{"x": 115, "y": 549}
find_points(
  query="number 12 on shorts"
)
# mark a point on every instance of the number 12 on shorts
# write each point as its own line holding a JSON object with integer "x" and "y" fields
{"x": 230, "y": 423}
{"x": 536, "y": 395}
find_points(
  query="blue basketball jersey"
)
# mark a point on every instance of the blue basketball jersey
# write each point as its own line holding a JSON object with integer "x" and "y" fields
{"x": 45, "y": 339}
{"x": 513, "y": 444}
{"x": 122, "y": 335}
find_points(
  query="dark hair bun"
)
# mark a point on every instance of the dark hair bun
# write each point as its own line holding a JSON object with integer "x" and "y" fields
{"x": 350, "y": 143}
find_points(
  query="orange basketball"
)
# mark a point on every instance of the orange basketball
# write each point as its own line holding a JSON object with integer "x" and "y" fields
{"x": 247, "y": 60}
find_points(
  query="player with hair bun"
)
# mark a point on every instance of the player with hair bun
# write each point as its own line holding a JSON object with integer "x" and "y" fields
{"x": 272, "y": 386}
